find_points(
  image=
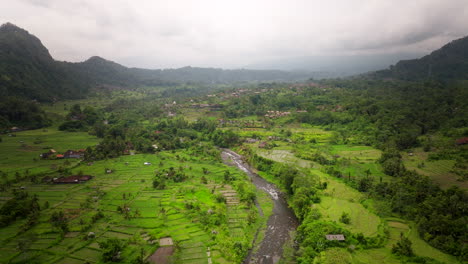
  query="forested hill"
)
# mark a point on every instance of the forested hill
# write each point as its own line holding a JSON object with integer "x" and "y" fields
{"x": 447, "y": 63}
{"x": 28, "y": 70}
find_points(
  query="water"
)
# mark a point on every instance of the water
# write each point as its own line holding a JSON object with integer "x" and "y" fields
{"x": 281, "y": 222}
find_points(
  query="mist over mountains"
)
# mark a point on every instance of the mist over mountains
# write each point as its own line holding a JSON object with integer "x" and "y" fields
{"x": 334, "y": 66}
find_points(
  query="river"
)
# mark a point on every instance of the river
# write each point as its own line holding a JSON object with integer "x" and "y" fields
{"x": 281, "y": 222}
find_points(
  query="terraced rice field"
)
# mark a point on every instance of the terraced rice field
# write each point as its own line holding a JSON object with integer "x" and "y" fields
{"x": 152, "y": 213}
{"x": 438, "y": 170}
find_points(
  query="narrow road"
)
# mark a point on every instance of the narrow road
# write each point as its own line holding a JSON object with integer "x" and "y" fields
{"x": 280, "y": 223}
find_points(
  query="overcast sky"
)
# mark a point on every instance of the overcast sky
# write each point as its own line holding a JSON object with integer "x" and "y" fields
{"x": 234, "y": 33}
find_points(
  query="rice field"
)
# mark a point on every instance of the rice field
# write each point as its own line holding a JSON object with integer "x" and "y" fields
{"x": 152, "y": 213}
{"x": 438, "y": 170}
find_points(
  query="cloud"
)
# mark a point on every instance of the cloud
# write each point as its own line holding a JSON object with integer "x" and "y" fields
{"x": 158, "y": 34}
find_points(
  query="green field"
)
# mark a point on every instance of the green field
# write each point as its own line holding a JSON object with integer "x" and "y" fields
{"x": 339, "y": 198}
{"x": 152, "y": 213}
{"x": 21, "y": 152}
{"x": 438, "y": 170}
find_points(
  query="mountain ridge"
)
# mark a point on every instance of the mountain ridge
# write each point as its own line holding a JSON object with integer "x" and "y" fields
{"x": 28, "y": 70}
{"x": 446, "y": 63}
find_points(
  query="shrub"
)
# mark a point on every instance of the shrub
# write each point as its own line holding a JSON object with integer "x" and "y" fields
{"x": 345, "y": 219}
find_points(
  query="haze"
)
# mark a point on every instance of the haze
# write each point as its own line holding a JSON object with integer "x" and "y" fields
{"x": 241, "y": 33}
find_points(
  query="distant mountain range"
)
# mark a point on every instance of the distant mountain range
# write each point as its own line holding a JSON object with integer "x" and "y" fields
{"x": 28, "y": 70}
{"x": 336, "y": 66}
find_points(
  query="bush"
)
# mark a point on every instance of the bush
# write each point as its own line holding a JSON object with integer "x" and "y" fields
{"x": 72, "y": 126}
{"x": 345, "y": 218}
{"x": 111, "y": 249}
{"x": 403, "y": 247}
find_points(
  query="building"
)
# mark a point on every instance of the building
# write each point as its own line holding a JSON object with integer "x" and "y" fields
{"x": 73, "y": 154}
{"x": 48, "y": 154}
{"x": 462, "y": 141}
{"x": 72, "y": 179}
{"x": 338, "y": 237}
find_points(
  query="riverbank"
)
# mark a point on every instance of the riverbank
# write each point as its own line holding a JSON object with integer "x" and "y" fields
{"x": 280, "y": 224}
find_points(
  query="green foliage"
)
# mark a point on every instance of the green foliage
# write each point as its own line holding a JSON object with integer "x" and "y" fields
{"x": 60, "y": 221}
{"x": 345, "y": 218}
{"x": 311, "y": 237}
{"x": 20, "y": 206}
{"x": 21, "y": 113}
{"x": 159, "y": 182}
{"x": 403, "y": 247}
{"x": 112, "y": 248}
{"x": 438, "y": 213}
{"x": 391, "y": 163}
{"x": 72, "y": 126}
{"x": 225, "y": 139}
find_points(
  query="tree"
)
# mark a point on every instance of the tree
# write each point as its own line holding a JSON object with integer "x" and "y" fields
{"x": 345, "y": 218}
{"x": 140, "y": 259}
{"x": 403, "y": 247}
{"x": 159, "y": 182}
{"x": 112, "y": 249}
{"x": 59, "y": 220}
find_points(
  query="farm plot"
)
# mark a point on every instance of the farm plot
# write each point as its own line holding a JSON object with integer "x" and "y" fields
{"x": 438, "y": 170}
{"x": 123, "y": 204}
{"x": 362, "y": 220}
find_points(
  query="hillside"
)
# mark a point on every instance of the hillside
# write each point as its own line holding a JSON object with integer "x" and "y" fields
{"x": 447, "y": 63}
{"x": 28, "y": 70}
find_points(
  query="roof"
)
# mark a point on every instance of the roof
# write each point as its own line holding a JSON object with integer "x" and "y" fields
{"x": 462, "y": 141}
{"x": 338, "y": 237}
{"x": 73, "y": 179}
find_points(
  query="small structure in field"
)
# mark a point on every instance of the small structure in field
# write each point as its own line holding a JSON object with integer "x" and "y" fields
{"x": 338, "y": 237}
{"x": 263, "y": 144}
{"x": 166, "y": 241}
{"x": 74, "y": 154}
{"x": 72, "y": 179}
{"x": 147, "y": 163}
{"x": 462, "y": 141}
{"x": 251, "y": 140}
{"x": 46, "y": 155}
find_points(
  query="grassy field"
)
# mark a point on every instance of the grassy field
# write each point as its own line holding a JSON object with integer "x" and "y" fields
{"x": 152, "y": 213}
{"x": 362, "y": 220}
{"x": 420, "y": 247}
{"x": 21, "y": 152}
{"x": 357, "y": 161}
{"x": 437, "y": 170}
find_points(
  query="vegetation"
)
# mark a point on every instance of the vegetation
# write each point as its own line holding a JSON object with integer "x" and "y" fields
{"x": 361, "y": 159}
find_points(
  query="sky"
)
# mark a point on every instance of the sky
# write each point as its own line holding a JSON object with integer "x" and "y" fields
{"x": 235, "y": 33}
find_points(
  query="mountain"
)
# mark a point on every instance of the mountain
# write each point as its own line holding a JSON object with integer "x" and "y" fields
{"x": 447, "y": 63}
{"x": 28, "y": 70}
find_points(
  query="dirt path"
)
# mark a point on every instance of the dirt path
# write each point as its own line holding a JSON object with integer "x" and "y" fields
{"x": 280, "y": 223}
